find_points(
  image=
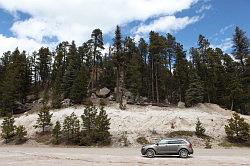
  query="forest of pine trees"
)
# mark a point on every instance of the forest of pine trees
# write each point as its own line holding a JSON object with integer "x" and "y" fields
{"x": 160, "y": 70}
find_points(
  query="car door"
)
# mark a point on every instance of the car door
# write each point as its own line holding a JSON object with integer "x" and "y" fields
{"x": 162, "y": 147}
{"x": 173, "y": 146}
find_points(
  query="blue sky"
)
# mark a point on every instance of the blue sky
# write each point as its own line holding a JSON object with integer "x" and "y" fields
{"x": 31, "y": 24}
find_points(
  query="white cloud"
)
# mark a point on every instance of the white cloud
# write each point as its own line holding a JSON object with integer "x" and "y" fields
{"x": 11, "y": 43}
{"x": 204, "y": 8}
{"x": 225, "y": 45}
{"x": 75, "y": 19}
{"x": 167, "y": 24}
{"x": 224, "y": 29}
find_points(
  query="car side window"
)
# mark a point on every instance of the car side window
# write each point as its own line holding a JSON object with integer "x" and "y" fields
{"x": 176, "y": 142}
{"x": 163, "y": 142}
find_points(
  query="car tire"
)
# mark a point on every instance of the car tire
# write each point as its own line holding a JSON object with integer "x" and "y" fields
{"x": 150, "y": 153}
{"x": 183, "y": 153}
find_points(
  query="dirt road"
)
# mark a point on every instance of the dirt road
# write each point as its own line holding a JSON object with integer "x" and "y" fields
{"x": 34, "y": 156}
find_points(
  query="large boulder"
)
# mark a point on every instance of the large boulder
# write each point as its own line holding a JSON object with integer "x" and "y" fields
{"x": 181, "y": 104}
{"x": 103, "y": 93}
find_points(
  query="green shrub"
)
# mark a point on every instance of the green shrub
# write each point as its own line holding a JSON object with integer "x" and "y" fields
{"x": 226, "y": 144}
{"x": 103, "y": 102}
{"x": 8, "y": 129}
{"x": 142, "y": 140}
{"x": 56, "y": 133}
{"x": 44, "y": 119}
{"x": 71, "y": 128}
{"x": 199, "y": 129}
{"x": 208, "y": 144}
{"x": 96, "y": 126}
{"x": 124, "y": 139}
{"x": 20, "y": 135}
{"x": 237, "y": 129}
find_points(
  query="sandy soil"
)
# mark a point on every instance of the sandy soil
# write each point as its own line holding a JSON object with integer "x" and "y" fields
{"x": 151, "y": 122}
{"x": 43, "y": 156}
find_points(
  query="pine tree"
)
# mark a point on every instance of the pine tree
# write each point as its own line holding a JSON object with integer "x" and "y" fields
{"x": 73, "y": 64}
{"x": 56, "y": 133}
{"x": 44, "y": 119}
{"x": 79, "y": 88}
{"x": 44, "y": 65}
{"x": 71, "y": 128}
{"x": 20, "y": 135}
{"x": 241, "y": 47}
{"x": 119, "y": 61}
{"x": 102, "y": 127}
{"x": 143, "y": 53}
{"x": 8, "y": 129}
{"x": 56, "y": 94}
{"x": 97, "y": 41}
{"x": 16, "y": 82}
{"x": 194, "y": 93}
{"x": 237, "y": 129}
{"x": 181, "y": 72}
{"x": 199, "y": 129}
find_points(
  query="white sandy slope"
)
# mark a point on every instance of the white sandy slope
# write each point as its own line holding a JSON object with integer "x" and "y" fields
{"x": 139, "y": 121}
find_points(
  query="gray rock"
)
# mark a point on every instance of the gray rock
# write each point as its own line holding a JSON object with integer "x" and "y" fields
{"x": 103, "y": 93}
{"x": 181, "y": 104}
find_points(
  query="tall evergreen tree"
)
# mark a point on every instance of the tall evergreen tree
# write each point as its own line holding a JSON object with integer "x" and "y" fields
{"x": 181, "y": 72}
{"x": 72, "y": 68}
{"x": 119, "y": 61}
{"x": 194, "y": 93}
{"x": 44, "y": 65}
{"x": 97, "y": 41}
{"x": 241, "y": 47}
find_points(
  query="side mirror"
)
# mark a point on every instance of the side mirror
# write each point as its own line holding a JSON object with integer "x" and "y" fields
{"x": 157, "y": 144}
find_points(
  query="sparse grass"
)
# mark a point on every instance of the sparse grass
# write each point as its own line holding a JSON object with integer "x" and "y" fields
{"x": 180, "y": 133}
{"x": 44, "y": 138}
{"x": 142, "y": 140}
{"x": 207, "y": 144}
{"x": 123, "y": 139}
{"x": 226, "y": 144}
{"x": 153, "y": 131}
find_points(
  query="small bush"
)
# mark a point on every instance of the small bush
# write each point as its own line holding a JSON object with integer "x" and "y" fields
{"x": 20, "y": 135}
{"x": 56, "y": 133}
{"x": 8, "y": 129}
{"x": 142, "y": 140}
{"x": 103, "y": 102}
{"x": 96, "y": 126}
{"x": 208, "y": 144}
{"x": 237, "y": 129}
{"x": 199, "y": 129}
{"x": 153, "y": 131}
{"x": 44, "y": 119}
{"x": 88, "y": 102}
{"x": 181, "y": 133}
{"x": 226, "y": 144}
{"x": 124, "y": 139}
{"x": 71, "y": 129}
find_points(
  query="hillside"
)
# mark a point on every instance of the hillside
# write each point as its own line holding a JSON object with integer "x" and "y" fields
{"x": 150, "y": 122}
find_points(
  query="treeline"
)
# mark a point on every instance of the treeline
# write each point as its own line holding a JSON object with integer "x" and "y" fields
{"x": 159, "y": 70}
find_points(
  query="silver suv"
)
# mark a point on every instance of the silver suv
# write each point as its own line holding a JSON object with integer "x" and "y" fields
{"x": 171, "y": 146}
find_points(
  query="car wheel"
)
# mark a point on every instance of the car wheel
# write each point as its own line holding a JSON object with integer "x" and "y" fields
{"x": 150, "y": 153}
{"x": 183, "y": 153}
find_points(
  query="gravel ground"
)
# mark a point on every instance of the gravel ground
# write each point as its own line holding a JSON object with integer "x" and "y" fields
{"x": 43, "y": 156}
